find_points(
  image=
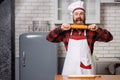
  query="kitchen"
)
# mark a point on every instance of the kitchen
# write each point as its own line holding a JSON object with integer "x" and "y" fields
{"x": 44, "y": 12}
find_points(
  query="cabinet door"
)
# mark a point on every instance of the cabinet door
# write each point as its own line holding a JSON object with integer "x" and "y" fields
{"x": 102, "y": 68}
{"x": 62, "y": 10}
{"x": 92, "y": 11}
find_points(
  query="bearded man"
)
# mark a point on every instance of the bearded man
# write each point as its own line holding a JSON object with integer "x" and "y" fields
{"x": 79, "y": 43}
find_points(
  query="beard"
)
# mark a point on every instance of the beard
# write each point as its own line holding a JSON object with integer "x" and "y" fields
{"x": 79, "y": 21}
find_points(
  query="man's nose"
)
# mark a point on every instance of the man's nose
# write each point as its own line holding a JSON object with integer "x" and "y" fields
{"x": 79, "y": 16}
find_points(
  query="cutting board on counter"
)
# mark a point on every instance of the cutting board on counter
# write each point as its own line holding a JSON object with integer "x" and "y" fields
{"x": 92, "y": 77}
{"x": 83, "y": 77}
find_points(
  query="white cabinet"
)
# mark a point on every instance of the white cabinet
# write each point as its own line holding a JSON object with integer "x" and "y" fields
{"x": 110, "y": 1}
{"x": 61, "y": 7}
{"x": 92, "y": 11}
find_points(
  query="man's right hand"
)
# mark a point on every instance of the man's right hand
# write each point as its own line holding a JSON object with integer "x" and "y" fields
{"x": 65, "y": 26}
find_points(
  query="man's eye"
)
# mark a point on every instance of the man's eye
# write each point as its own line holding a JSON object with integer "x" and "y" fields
{"x": 76, "y": 14}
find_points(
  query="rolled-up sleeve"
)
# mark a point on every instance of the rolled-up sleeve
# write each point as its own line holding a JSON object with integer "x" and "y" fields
{"x": 55, "y": 35}
{"x": 103, "y": 35}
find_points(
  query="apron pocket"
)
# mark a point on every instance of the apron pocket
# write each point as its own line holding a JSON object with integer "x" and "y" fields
{"x": 84, "y": 66}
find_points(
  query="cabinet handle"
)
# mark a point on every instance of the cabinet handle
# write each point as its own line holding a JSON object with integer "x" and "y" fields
{"x": 24, "y": 59}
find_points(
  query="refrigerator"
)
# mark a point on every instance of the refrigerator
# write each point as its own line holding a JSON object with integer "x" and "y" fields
{"x": 37, "y": 57}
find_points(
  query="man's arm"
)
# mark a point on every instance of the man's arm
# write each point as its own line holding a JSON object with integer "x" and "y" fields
{"x": 103, "y": 35}
{"x": 55, "y": 35}
{"x": 100, "y": 34}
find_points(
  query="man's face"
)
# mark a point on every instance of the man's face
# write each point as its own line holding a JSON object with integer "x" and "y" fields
{"x": 79, "y": 17}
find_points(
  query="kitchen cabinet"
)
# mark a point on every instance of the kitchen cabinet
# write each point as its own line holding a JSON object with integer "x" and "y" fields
{"x": 102, "y": 64}
{"x": 63, "y": 16}
{"x": 110, "y": 1}
{"x": 61, "y": 10}
{"x": 102, "y": 67}
{"x": 92, "y": 11}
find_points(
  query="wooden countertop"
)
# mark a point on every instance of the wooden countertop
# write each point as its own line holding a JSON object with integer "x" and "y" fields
{"x": 97, "y": 77}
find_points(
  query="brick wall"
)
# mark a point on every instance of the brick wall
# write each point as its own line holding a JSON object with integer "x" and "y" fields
{"x": 110, "y": 19}
{"x": 27, "y": 11}
{"x": 42, "y": 11}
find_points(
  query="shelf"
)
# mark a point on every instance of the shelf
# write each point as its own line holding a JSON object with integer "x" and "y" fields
{"x": 108, "y": 59}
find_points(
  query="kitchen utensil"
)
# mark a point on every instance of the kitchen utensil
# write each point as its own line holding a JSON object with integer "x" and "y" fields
{"x": 76, "y": 26}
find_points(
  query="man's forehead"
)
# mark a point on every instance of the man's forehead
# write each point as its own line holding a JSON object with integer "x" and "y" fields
{"x": 79, "y": 11}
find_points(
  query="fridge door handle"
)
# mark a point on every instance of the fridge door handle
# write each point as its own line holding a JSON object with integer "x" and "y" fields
{"x": 24, "y": 59}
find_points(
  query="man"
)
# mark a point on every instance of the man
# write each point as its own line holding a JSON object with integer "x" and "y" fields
{"x": 79, "y": 43}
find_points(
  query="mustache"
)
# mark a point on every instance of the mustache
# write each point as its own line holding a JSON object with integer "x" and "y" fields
{"x": 79, "y": 19}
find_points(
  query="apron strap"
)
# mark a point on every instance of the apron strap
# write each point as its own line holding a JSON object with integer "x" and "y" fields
{"x": 71, "y": 31}
{"x": 85, "y": 33}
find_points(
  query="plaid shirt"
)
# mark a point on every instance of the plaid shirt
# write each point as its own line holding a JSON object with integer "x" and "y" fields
{"x": 57, "y": 35}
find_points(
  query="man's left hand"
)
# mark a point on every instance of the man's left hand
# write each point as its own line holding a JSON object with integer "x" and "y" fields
{"x": 93, "y": 27}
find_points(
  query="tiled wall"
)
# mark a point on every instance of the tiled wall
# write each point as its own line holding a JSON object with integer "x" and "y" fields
{"x": 110, "y": 19}
{"x": 28, "y": 11}
{"x": 43, "y": 11}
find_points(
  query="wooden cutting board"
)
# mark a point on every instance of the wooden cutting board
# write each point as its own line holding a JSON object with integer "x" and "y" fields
{"x": 92, "y": 77}
{"x": 84, "y": 77}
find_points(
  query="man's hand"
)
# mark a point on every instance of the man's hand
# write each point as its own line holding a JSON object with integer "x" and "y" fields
{"x": 65, "y": 26}
{"x": 93, "y": 27}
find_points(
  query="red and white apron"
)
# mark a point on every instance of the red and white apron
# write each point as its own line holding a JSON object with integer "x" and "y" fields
{"x": 78, "y": 59}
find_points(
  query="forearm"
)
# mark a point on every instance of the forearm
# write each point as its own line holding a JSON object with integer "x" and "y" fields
{"x": 103, "y": 35}
{"x": 54, "y": 35}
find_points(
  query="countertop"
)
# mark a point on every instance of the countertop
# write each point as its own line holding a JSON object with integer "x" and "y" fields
{"x": 100, "y": 77}
{"x": 107, "y": 59}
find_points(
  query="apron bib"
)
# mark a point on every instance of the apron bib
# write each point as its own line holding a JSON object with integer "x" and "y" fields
{"x": 78, "y": 60}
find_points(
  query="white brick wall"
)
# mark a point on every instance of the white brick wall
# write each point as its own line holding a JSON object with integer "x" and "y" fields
{"x": 110, "y": 19}
{"x": 27, "y": 11}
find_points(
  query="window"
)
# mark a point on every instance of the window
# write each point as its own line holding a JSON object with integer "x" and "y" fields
{"x": 62, "y": 12}
{"x": 92, "y": 10}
